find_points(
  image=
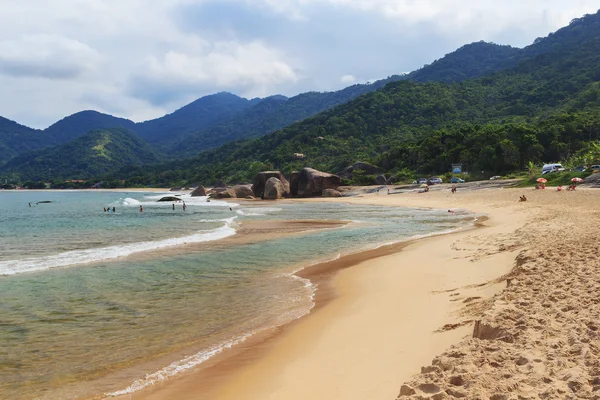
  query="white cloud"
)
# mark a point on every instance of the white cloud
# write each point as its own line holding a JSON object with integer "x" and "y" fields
{"x": 253, "y": 68}
{"x": 348, "y": 79}
{"x": 47, "y": 56}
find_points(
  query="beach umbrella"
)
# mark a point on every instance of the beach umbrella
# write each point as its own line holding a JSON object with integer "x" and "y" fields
{"x": 542, "y": 180}
{"x": 577, "y": 180}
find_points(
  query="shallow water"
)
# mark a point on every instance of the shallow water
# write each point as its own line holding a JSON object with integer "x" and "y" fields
{"x": 75, "y": 309}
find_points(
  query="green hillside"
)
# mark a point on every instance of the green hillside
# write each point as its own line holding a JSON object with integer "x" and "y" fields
{"x": 80, "y": 123}
{"x": 199, "y": 114}
{"x": 470, "y": 61}
{"x": 543, "y": 109}
{"x": 94, "y": 154}
{"x": 271, "y": 114}
{"x": 16, "y": 139}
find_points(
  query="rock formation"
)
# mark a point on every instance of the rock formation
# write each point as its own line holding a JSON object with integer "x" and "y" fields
{"x": 199, "y": 191}
{"x": 294, "y": 183}
{"x": 169, "y": 198}
{"x": 223, "y": 194}
{"x": 381, "y": 180}
{"x": 368, "y": 168}
{"x": 274, "y": 189}
{"x": 242, "y": 191}
{"x": 331, "y": 193}
{"x": 312, "y": 182}
{"x": 260, "y": 180}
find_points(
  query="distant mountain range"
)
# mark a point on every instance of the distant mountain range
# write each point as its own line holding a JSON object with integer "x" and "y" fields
{"x": 218, "y": 119}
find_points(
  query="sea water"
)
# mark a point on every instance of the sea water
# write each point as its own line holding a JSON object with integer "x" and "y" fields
{"x": 92, "y": 301}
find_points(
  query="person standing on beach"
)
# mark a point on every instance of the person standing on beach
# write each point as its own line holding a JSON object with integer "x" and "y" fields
{"x": 184, "y": 206}
{"x": 29, "y": 204}
{"x": 173, "y": 206}
{"x": 141, "y": 208}
{"x": 114, "y": 209}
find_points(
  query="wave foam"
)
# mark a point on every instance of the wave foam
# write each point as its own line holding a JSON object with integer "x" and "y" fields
{"x": 180, "y": 366}
{"x": 86, "y": 256}
{"x": 258, "y": 211}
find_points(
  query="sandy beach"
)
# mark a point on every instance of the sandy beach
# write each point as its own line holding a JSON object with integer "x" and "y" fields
{"x": 523, "y": 276}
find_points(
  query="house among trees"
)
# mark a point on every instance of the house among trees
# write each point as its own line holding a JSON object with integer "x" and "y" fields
{"x": 299, "y": 156}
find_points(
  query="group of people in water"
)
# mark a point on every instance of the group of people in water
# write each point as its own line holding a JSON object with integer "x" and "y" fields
{"x": 141, "y": 208}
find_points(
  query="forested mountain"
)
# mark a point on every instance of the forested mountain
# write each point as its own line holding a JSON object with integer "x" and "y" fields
{"x": 16, "y": 139}
{"x": 200, "y": 114}
{"x": 271, "y": 114}
{"x": 80, "y": 123}
{"x": 94, "y": 154}
{"x": 470, "y": 61}
{"x": 543, "y": 109}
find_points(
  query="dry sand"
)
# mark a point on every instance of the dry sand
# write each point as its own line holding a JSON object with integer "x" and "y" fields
{"x": 383, "y": 319}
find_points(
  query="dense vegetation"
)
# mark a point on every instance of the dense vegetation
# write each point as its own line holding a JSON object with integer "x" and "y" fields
{"x": 271, "y": 114}
{"x": 92, "y": 155}
{"x": 470, "y": 61}
{"x": 16, "y": 139}
{"x": 202, "y": 113}
{"x": 80, "y": 123}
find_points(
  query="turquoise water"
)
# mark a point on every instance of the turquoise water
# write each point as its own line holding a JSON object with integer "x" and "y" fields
{"x": 89, "y": 301}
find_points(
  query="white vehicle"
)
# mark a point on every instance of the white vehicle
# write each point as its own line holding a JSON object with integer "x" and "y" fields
{"x": 552, "y": 168}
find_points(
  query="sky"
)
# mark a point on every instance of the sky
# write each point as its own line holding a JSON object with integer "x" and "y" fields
{"x": 141, "y": 59}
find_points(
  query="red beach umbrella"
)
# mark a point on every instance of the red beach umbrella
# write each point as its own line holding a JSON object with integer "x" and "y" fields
{"x": 577, "y": 180}
{"x": 542, "y": 180}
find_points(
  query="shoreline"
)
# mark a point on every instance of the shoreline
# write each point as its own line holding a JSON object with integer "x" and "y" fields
{"x": 243, "y": 354}
{"x": 215, "y": 380}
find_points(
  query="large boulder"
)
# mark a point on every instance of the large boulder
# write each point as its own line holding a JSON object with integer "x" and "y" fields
{"x": 243, "y": 191}
{"x": 381, "y": 180}
{"x": 199, "y": 191}
{"x": 260, "y": 180}
{"x": 312, "y": 182}
{"x": 274, "y": 189}
{"x": 331, "y": 193}
{"x": 223, "y": 194}
{"x": 369, "y": 169}
{"x": 294, "y": 176}
{"x": 592, "y": 180}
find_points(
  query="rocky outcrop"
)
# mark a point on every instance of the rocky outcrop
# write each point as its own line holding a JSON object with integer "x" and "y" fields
{"x": 592, "y": 181}
{"x": 223, "y": 194}
{"x": 331, "y": 193}
{"x": 199, "y": 191}
{"x": 274, "y": 189}
{"x": 242, "y": 191}
{"x": 381, "y": 180}
{"x": 169, "y": 198}
{"x": 260, "y": 180}
{"x": 369, "y": 169}
{"x": 294, "y": 176}
{"x": 175, "y": 189}
{"x": 312, "y": 182}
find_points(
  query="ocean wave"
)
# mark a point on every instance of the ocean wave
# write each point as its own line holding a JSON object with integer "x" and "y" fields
{"x": 150, "y": 201}
{"x": 228, "y": 221}
{"x": 258, "y": 211}
{"x": 180, "y": 366}
{"x": 74, "y": 257}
